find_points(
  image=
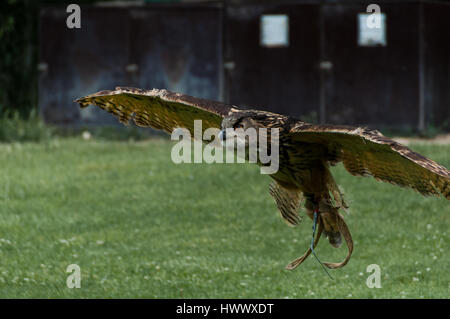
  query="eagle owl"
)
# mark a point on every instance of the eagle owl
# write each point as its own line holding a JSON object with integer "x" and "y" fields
{"x": 306, "y": 152}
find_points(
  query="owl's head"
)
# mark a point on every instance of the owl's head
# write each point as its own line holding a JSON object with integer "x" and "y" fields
{"x": 250, "y": 120}
{"x": 251, "y": 130}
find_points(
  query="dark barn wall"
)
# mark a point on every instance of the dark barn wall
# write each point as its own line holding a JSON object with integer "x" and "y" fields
{"x": 81, "y": 61}
{"x": 179, "y": 49}
{"x": 374, "y": 86}
{"x": 213, "y": 51}
{"x": 176, "y": 47}
{"x": 281, "y": 79}
{"x": 437, "y": 65}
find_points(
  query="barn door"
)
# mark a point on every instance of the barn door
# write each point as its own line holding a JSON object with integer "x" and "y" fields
{"x": 271, "y": 58}
{"x": 369, "y": 78}
{"x": 175, "y": 47}
{"x": 77, "y": 62}
{"x": 178, "y": 48}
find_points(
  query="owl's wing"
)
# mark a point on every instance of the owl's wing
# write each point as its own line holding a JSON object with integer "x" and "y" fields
{"x": 288, "y": 202}
{"x": 159, "y": 109}
{"x": 367, "y": 152}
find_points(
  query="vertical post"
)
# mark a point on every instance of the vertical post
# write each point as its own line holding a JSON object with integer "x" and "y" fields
{"x": 322, "y": 98}
{"x": 421, "y": 124}
{"x": 227, "y": 48}
{"x": 222, "y": 86}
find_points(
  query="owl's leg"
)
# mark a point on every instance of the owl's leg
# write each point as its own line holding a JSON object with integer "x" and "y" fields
{"x": 297, "y": 262}
{"x": 327, "y": 214}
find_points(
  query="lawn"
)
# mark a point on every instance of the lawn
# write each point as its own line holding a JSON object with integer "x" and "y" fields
{"x": 140, "y": 226}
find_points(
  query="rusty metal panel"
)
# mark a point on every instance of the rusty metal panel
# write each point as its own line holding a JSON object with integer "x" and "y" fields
{"x": 178, "y": 48}
{"x": 155, "y": 46}
{"x": 375, "y": 86}
{"x": 280, "y": 79}
{"x": 77, "y": 62}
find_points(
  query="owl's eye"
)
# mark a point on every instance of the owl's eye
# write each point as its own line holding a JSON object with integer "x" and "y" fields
{"x": 238, "y": 126}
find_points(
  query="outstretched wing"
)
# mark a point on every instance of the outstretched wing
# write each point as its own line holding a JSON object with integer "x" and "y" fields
{"x": 367, "y": 152}
{"x": 159, "y": 109}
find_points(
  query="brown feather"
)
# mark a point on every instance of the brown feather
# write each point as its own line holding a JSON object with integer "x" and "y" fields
{"x": 288, "y": 202}
{"x": 159, "y": 109}
{"x": 366, "y": 152}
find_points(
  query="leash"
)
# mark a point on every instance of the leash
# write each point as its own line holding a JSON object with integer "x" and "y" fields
{"x": 318, "y": 227}
{"x": 316, "y": 212}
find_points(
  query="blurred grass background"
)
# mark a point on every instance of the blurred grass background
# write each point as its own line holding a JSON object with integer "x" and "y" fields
{"x": 140, "y": 226}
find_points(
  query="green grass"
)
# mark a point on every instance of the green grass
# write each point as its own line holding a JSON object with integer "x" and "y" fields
{"x": 17, "y": 128}
{"x": 140, "y": 226}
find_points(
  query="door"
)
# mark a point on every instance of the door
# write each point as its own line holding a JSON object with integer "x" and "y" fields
{"x": 370, "y": 85}
{"x": 281, "y": 78}
{"x": 77, "y": 62}
{"x": 176, "y": 47}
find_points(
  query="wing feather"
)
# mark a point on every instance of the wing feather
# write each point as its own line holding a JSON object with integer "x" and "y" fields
{"x": 288, "y": 202}
{"x": 367, "y": 152}
{"x": 159, "y": 109}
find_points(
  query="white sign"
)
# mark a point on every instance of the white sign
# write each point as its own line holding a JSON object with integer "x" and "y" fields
{"x": 274, "y": 30}
{"x": 372, "y": 29}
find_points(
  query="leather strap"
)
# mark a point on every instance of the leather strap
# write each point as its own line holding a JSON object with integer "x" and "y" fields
{"x": 343, "y": 229}
{"x": 297, "y": 262}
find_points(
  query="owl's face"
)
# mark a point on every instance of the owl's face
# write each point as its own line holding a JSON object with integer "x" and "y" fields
{"x": 243, "y": 120}
{"x": 239, "y": 125}
{"x": 247, "y": 127}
